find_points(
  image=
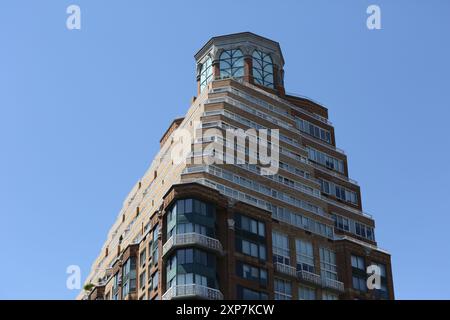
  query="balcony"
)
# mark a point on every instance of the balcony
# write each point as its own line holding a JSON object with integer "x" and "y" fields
{"x": 192, "y": 239}
{"x": 190, "y": 291}
{"x": 333, "y": 284}
{"x": 309, "y": 277}
{"x": 284, "y": 268}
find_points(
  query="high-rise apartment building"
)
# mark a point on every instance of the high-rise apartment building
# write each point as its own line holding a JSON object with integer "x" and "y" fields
{"x": 195, "y": 227}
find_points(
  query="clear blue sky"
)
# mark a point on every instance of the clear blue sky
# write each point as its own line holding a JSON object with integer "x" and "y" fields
{"x": 82, "y": 112}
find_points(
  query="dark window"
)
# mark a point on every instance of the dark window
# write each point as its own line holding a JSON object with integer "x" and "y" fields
{"x": 249, "y": 294}
{"x": 188, "y": 205}
{"x": 358, "y": 262}
{"x": 155, "y": 245}
{"x": 359, "y": 283}
{"x": 142, "y": 257}
{"x": 187, "y": 256}
{"x": 142, "y": 279}
{"x": 155, "y": 280}
{"x": 250, "y": 272}
{"x": 251, "y": 248}
{"x": 250, "y": 225}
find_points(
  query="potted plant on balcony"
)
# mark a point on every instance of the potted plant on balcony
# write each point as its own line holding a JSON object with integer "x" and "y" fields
{"x": 88, "y": 287}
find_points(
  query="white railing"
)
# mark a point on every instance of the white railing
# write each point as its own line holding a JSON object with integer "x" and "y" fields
{"x": 138, "y": 239}
{"x": 333, "y": 173}
{"x": 223, "y": 125}
{"x": 309, "y": 276}
{"x": 284, "y": 268}
{"x": 168, "y": 245}
{"x": 258, "y": 187}
{"x": 283, "y": 101}
{"x": 296, "y": 185}
{"x": 362, "y": 243}
{"x": 324, "y": 144}
{"x": 251, "y": 110}
{"x": 347, "y": 207}
{"x": 250, "y": 123}
{"x": 290, "y": 217}
{"x": 333, "y": 284}
{"x": 337, "y": 175}
{"x": 192, "y": 239}
{"x": 192, "y": 290}
{"x": 100, "y": 264}
{"x": 275, "y": 97}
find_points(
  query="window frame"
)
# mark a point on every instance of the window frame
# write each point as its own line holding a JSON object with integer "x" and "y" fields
{"x": 205, "y": 73}
{"x": 304, "y": 258}
{"x": 235, "y": 62}
{"x": 260, "y": 73}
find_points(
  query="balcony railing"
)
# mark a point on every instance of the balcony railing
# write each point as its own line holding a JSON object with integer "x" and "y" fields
{"x": 333, "y": 284}
{"x": 192, "y": 291}
{"x": 197, "y": 239}
{"x": 362, "y": 243}
{"x": 284, "y": 268}
{"x": 309, "y": 277}
{"x": 333, "y": 173}
{"x": 301, "y": 133}
{"x": 285, "y": 102}
{"x": 347, "y": 207}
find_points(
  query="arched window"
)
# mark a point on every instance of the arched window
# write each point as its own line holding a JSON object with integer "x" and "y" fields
{"x": 205, "y": 73}
{"x": 231, "y": 64}
{"x": 262, "y": 69}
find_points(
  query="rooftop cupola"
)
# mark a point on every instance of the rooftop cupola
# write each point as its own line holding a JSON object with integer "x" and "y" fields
{"x": 244, "y": 57}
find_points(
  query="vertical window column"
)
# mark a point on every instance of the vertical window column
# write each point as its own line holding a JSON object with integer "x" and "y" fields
{"x": 328, "y": 266}
{"x": 281, "y": 252}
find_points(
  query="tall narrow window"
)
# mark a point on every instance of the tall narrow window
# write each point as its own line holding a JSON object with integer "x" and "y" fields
{"x": 305, "y": 255}
{"x": 231, "y": 64}
{"x": 328, "y": 264}
{"x": 206, "y": 73}
{"x": 358, "y": 262}
{"x": 155, "y": 249}
{"x": 262, "y": 69}
{"x": 283, "y": 290}
{"x": 358, "y": 273}
{"x": 306, "y": 293}
{"x": 280, "y": 244}
{"x": 129, "y": 276}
